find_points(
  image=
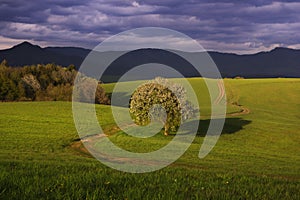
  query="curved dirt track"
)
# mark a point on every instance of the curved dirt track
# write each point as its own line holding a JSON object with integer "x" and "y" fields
{"x": 79, "y": 145}
{"x": 221, "y": 92}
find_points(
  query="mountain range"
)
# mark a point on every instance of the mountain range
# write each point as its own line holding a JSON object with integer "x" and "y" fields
{"x": 279, "y": 62}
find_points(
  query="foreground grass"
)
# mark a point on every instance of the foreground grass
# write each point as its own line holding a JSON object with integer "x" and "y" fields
{"x": 257, "y": 156}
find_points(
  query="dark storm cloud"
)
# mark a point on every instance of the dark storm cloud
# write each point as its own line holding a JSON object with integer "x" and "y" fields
{"x": 239, "y": 26}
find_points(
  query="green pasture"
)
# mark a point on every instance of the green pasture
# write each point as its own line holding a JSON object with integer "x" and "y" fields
{"x": 256, "y": 157}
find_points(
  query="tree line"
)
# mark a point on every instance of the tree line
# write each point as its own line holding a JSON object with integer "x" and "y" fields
{"x": 49, "y": 82}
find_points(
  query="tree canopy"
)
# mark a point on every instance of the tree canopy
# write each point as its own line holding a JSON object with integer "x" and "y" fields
{"x": 162, "y": 101}
{"x": 40, "y": 82}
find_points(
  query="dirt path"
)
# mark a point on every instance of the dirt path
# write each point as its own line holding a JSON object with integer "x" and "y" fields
{"x": 244, "y": 111}
{"x": 221, "y": 92}
{"x": 90, "y": 140}
{"x": 221, "y": 96}
{"x": 79, "y": 147}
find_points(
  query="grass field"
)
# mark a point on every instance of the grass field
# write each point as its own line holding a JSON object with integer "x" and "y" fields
{"x": 256, "y": 157}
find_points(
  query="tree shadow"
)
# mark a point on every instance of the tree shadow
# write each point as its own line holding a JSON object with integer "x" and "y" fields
{"x": 120, "y": 99}
{"x": 231, "y": 125}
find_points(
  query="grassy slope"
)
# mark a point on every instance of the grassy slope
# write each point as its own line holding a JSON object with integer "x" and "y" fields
{"x": 198, "y": 85}
{"x": 256, "y": 157}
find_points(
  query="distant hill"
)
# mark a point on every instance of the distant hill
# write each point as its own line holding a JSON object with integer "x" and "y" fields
{"x": 279, "y": 62}
{"x": 26, "y": 53}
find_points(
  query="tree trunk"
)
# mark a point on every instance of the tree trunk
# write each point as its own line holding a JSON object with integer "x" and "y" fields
{"x": 166, "y": 133}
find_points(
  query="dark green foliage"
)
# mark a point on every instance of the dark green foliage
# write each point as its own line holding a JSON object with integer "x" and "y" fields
{"x": 40, "y": 82}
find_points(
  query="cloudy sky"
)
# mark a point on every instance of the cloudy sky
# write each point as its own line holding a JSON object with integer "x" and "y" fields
{"x": 222, "y": 25}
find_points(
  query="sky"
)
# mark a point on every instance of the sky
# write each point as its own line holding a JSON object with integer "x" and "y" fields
{"x": 228, "y": 26}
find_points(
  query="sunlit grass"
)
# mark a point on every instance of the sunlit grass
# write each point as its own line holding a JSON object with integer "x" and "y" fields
{"x": 256, "y": 157}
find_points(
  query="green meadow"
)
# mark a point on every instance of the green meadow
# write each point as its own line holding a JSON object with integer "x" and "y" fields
{"x": 256, "y": 157}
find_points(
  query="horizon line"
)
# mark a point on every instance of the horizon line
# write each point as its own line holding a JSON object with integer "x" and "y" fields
{"x": 216, "y": 51}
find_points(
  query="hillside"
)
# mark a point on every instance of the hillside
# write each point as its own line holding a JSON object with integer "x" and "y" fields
{"x": 27, "y": 54}
{"x": 279, "y": 62}
{"x": 256, "y": 157}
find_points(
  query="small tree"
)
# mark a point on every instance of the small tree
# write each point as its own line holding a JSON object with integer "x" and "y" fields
{"x": 84, "y": 90}
{"x": 172, "y": 99}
